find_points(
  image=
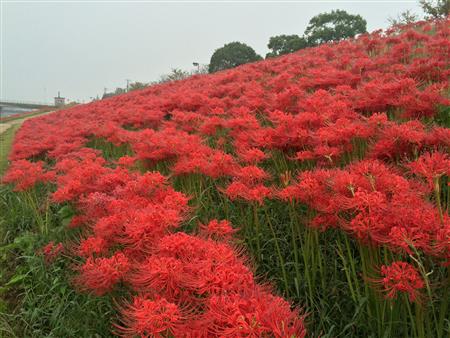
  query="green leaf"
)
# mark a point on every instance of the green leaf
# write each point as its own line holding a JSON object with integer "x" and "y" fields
{"x": 66, "y": 212}
{"x": 16, "y": 279}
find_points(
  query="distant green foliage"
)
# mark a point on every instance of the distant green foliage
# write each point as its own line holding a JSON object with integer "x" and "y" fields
{"x": 404, "y": 18}
{"x": 119, "y": 91}
{"x": 435, "y": 9}
{"x": 175, "y": 75}
{"x": 232, "y": 55}
{"x": 137, "y": 85}
{"x": 334, "y": 26}
{"x": 132, "y": 86}
{"x": 284, "y": 44}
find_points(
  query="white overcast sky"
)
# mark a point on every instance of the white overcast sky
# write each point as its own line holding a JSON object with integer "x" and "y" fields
{"x": 81, "y": 47}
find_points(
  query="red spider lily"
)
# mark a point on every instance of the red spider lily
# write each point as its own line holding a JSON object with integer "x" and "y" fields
{"x": 397, "y": 140}
{"x": 210, "y": 266}
{"x": 217, "y": 229}
{"x": 443, "y": 241}
{"x": 52, "y": 251}
{"x": 252, "y": 155}
{"x": 77, "y": 221}
{"x": 401, "y": 277}
{"x": 165, "y": 275}
{"x": 92, "y": 246}
{"x": 212, "y": 163}
{"x": 431, "y": 166}
{"x": 209, "y": 277}
{"x": 126, "y": 161}
{"x": 100, "y": 275}
{"x": 25, "y": 174}
{"x": 257, "y": 314}
{"x": 250, "y": 175}
{"x": 256, "y": 193}
{"x": 149, "y": 318}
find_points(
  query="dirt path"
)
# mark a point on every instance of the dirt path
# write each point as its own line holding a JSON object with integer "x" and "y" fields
{"x": 5, "y": 126}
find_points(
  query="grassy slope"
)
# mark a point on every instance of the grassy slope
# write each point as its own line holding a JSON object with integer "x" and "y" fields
{"x": 6, "y": 140}
{"x": 37, "y": 300}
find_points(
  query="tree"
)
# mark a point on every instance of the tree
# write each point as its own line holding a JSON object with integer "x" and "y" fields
{"x": 175, "y": 75}
{"x": 284, "y": 44}
{"x": 137, "y": 85}
{"x": 119, "y": 91}
{"x": 200, "y": 69}
{"x": 436, "y": 9}
{"x": 403, "y": 18}
{"x": 334, "y": 26}
{"x": 232, "y": 55}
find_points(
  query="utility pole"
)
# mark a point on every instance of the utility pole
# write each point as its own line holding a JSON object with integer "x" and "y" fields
{"x": 128, "y": 84}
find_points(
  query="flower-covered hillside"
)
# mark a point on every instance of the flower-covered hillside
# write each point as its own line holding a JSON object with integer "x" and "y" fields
{"x": 323, "y": 172}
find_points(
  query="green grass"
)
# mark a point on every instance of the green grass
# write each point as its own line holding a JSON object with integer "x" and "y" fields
{"x": 6, "y": 140}
{"x": 39, "y": 299}
{"x": 36, "y": 299}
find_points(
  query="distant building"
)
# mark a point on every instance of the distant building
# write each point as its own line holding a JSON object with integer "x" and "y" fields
{"x": 60, "y": 101}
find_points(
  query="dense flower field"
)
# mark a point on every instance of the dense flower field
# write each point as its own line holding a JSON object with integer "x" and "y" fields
{"x": 303, "y": 193}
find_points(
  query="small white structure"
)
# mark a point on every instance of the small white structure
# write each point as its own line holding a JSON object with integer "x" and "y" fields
{"x": 60, "y": 101}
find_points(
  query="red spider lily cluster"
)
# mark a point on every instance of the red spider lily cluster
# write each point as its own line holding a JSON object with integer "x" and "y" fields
{"x": 373, "y": 202}
{"x": 351, "y": 117}
{"x": 401, "y": 277}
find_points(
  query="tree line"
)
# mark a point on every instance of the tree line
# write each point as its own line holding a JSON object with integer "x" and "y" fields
{"x": 322, "y": 28}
